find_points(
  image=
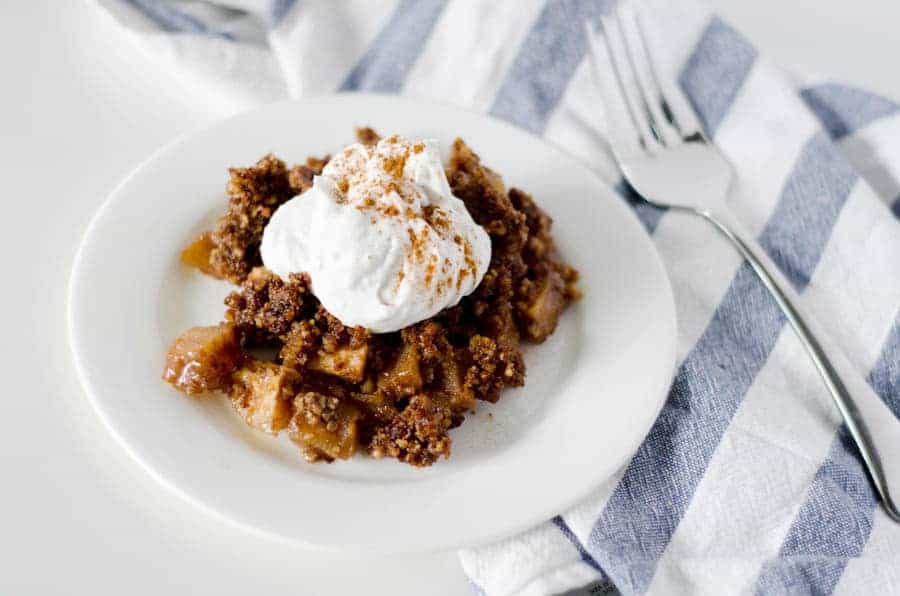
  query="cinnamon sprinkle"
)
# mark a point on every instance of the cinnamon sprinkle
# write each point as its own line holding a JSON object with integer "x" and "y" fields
{"x": 394, "y": 165}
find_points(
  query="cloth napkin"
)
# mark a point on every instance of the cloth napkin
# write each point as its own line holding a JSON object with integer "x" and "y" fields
{"x": 747, "y": 481}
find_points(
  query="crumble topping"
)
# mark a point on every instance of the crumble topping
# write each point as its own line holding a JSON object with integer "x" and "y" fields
{"x": 337, "y": 389}
{"x": 254, "y": 194}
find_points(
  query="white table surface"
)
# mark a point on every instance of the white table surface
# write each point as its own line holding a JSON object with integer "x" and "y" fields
{"x": 78, "y": 110}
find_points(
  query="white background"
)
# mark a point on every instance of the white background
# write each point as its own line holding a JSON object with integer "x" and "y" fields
{"x": 79, "y": 109}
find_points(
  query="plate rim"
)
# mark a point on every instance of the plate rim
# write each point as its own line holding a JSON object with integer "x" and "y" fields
{"x": 195, "y": 500}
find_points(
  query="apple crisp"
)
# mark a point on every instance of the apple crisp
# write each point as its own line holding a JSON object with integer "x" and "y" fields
{"x": 337, "y": 390}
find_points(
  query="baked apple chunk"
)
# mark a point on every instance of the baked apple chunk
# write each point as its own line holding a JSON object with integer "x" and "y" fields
{"x": 324, "y": 427}
{"x": 197, "y": 254}
{"x": 345, "y": 362}
{"x": 203, "y": 358}
{"x": 404, "y": 377}
{"x": 261, "y": 394}
{"x": 541, "y": 313}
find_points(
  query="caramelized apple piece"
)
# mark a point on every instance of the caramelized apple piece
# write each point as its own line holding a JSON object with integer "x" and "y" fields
{"x": 453, "y": 389}
{"x": 405, "y": 376}
{"x": 506, "y": 331}
{"x": 197, "y": 253}
{"x": 202, "y": 359}
{"x": 542, "y": 312}
{"x": 378, "y": 405}
{"x": 324, "y": 426}
{"x": 262, "y": 395}
{"x": 346, "y": 363}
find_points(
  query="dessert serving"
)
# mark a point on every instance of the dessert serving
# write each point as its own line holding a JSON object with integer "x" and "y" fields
{"x": 395, "y": 293}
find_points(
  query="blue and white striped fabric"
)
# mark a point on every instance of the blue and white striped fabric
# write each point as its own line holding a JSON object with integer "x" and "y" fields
{"x": 746, "y": 482}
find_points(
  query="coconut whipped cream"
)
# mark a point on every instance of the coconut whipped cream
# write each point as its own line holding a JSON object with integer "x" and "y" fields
{"x": 383, "y": 239}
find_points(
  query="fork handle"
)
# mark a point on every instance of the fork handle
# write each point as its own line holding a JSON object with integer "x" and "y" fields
{"x": 860, "y": 431}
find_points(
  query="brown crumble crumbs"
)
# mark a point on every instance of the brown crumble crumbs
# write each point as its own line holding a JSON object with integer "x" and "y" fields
{"x": 337, "y": 389}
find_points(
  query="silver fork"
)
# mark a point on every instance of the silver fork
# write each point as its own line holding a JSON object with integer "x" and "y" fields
{"x": 664, "y": 155}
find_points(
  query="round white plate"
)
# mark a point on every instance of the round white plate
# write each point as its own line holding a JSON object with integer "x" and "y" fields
{"x": 592, "y": 392}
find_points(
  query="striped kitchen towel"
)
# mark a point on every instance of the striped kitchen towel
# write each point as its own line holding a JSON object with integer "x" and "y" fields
{"x": 746, "y": 482}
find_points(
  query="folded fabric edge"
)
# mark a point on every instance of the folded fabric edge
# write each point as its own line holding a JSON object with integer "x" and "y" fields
{"x": 571, "y": 579}
{"x": 251, "y": 75}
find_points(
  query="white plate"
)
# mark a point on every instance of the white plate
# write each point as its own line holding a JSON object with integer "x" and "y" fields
{"x": 592, "y": 392}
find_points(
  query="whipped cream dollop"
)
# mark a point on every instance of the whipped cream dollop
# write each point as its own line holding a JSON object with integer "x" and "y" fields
{"x": 383, "y": 239}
